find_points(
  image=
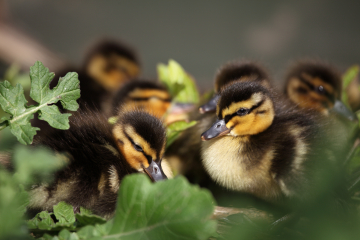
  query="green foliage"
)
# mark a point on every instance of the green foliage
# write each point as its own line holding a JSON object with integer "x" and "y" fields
{"x": 13, "y": 102}
{"x": 170, "y": 209}
{"x": 179, "y": 83}
{"x": 350, "y": 75}
{"x": 28, "y": 164}
{"x": 174, "y": 129}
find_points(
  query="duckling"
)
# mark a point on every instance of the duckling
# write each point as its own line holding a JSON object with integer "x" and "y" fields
{"x": 315, "y": 85}
{"x": 99, "y": 157}
{"x": 258, "y": 146}
{"x": 232, "y": 72}
{"x": 146, "y": 95}
{"x": 184, "y": 154}
{"x": 107, "y": 66}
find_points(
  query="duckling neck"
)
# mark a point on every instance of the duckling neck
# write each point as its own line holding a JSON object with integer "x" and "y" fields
{"x": 240, "y": 167}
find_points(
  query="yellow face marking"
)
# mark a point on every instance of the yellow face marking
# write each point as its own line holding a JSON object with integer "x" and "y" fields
{"x": 309, "y": 100}
{"x": 113, "y": 79}
{"x": 319, "y": 82}
{"x": 253, "y": 123}
{"x": 255, "y": 99}
{"x": 146, "y": 93}
{"x": 135, "y": 158}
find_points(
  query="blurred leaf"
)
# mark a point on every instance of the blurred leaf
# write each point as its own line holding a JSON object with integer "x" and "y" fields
{"x": 64, "y": 213}
{"x": 349, "y": 76}
{"x": 174, "y": 129}
{"x": 41, "y": 164}
{"x": 179, "y": 83}
{"x": 84, "y": 219}
{"x": 171, "y": 209}
{"x": 113, "y": 120}
{"x": 13, "y": 102}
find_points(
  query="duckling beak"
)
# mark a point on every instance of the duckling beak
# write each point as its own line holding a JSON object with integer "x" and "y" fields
{"x": 210, "y": 106}
{"x": 340, "y": 108}
{"x": 218, "y": 129}
{"x": 155, "y": 171}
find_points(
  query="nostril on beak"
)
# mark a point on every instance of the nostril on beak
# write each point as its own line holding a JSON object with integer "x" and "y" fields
{"x": 156, "y": 170}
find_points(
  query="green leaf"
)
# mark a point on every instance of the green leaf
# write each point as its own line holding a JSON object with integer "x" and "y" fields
{"x": 64, "y": 213}
{"x": 13, "y": 102}
{"x": 174, "y": 129}
{"x": 350, "y": 75}
{"x": 113, "y": 120}
{"x": 180, "y": 84}
{"x": 171, "y": 209}
{"x": 88, "y": 219}
{"x": 31, "y": 163}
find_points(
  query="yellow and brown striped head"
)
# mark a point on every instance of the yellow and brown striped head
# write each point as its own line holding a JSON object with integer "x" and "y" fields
{"x": 141, "y": 139}
{"x": 244, "y": 108}
{"x": 232, "y": 72}
{"x": 145, "y": 95}
{"x": 112, "y": 64}
{"x": 313, "y": 85}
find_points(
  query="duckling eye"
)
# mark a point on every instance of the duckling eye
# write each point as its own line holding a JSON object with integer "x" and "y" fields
{"x": 242, "y": 111}
{"x": 320, "y": 90}
{"x": 138, "y": 148}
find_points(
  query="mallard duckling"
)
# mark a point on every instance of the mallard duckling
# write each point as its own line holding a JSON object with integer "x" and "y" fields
{"x": 111, "y": 64}
{"x": 315, "y": 85}
{"x": 184, "y": 154}
{"x": 107, "y": 66}
{"x": 141, "y": 94}
{"x": 99, "y": 157}
{"x": 232, "y": 72}
{"x": 259, "y": 147}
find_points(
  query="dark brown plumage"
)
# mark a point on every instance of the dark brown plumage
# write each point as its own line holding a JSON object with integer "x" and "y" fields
{"x": 99, "y": 156}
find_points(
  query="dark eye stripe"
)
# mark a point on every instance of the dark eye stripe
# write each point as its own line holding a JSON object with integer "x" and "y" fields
{"x": 313, "y": 88}
{"x": 148, "y": 157}
{"x": 230, "y": 116}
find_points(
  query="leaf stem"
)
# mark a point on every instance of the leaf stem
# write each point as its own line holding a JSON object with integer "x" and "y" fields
{"x": 3, "y": 125}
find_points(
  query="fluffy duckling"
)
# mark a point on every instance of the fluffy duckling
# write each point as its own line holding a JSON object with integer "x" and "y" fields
{"x": 140, "y": 94}
{"x": 111, "y": 64}
{"x": 107, "y": 66}
{"x": 232, "y": 72}
{"x": 99, "y": 157}
{"x": 258, "y": 147}
{"x": 316, "y": 85}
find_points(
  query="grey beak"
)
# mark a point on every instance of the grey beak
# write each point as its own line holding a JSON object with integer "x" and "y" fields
{"x": 210, "y": 106}
{"x": 155, "y": 171}
{"x": 340, "y": 108}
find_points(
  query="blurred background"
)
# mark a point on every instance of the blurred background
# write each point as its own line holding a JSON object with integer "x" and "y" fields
{"x": 200, "y": 35}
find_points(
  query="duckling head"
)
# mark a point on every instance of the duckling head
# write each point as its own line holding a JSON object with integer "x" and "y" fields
{"x": 141, "y": 139}
{"x": 145, "y": 95}
{"x": 314, "y": 85}
{"x": 244, "y": 108}
{"x": 111, "y": 64}
{"x": 236, "y": 71}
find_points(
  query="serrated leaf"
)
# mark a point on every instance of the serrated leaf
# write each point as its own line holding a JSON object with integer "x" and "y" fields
{"x": 174, "y": 129}
{"x": 42, "y": 221}
{"x": 64, "y": 213}
{"x": 171, "y": 209}
{"x": 52, "y": 115}
{"x": 13, "y": 102}
{"x": 179, "y": 83}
